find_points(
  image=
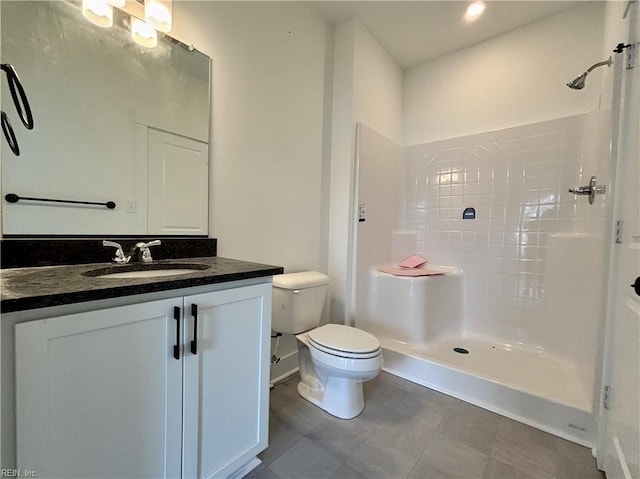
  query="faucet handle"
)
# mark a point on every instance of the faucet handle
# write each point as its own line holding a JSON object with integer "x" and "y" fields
{"x": 120, "y": 257}
{"x": 592, "y": 190}
{"x": 146, "y": 252}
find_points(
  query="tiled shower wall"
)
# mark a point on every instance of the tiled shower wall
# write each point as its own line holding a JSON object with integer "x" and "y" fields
{"x": 526, "y": 225}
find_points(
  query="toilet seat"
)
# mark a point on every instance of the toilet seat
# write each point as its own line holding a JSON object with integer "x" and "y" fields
{"x": 344, "y": 341}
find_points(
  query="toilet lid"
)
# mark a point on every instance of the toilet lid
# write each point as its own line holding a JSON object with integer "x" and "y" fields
{"x": 344, "y": 341}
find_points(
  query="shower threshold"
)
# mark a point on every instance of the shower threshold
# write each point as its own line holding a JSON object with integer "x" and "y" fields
{"x": 524, "y": 384}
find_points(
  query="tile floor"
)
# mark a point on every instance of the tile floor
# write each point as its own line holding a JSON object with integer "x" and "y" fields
{"x": 409, "y": 431}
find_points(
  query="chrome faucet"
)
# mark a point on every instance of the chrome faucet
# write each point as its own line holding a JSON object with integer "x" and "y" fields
{"x": 145, "y": 252}
{"x": 119, "y": 257}
{"x": 144, "y": 249}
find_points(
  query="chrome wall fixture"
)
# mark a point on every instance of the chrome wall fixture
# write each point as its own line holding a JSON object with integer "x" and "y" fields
{"x": 591, "y": 190}
{"x": 578, "y": 83}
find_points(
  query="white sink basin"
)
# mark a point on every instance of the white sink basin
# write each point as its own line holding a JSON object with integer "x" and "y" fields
{"x": 146, "y": 274}
{"x": 155, "y": 270}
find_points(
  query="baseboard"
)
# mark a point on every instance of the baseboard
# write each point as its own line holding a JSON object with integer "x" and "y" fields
{"x": 246, "y": 468}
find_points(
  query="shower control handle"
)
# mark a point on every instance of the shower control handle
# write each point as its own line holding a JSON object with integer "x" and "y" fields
{"x": 592, "y": 190}
{"x": 580, "y": 190}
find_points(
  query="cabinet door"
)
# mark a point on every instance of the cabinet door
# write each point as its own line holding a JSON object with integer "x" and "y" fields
{"x": 178, "y": 185}
{"x": 99, "y": 394}
{"x": 226, "y": 380}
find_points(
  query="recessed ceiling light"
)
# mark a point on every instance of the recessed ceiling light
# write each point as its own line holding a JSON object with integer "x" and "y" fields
{"x": 475, "y": 9}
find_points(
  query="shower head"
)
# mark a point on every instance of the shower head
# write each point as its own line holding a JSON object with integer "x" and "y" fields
{"x": 578, "y": 83}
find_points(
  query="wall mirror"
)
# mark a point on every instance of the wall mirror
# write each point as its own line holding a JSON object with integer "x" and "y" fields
{"x": 113, "y": 122}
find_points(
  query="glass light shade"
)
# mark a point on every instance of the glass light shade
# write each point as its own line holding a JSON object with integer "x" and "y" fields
{"x": 474, "y": 10}
{"x": 117, "y": 3}
{"x": 158, "y": 13}
{"x": 98, "y": 12}
{"x": 143, "y": 34}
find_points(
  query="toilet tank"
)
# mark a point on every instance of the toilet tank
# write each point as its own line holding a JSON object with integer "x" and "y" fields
{"x": 298, "y": 299}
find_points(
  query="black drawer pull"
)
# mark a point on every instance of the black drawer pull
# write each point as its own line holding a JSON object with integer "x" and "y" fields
{"x": 176, "y": 347}
{"x": 194, "y": 342}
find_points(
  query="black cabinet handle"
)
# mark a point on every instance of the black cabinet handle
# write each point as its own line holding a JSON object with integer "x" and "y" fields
{"x": 176, "y": 347}
{"x": 636, "y": 286}
{"x": 194, "y": 342}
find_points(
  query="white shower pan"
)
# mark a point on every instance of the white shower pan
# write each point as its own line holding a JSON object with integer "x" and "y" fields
{"x": 419, "y": 322}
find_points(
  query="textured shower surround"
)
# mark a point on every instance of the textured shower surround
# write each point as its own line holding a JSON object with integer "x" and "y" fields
{"x": 517, "y": 181}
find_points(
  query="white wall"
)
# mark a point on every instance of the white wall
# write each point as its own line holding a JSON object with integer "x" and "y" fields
{"x": 268, "y": 94}
{"x": 367, "y": 88}
{"x": 514, "y": 79}
{"x": 377, "y": 86}
{"x": 342, "y": 168}
{"x": 380, "y": 188}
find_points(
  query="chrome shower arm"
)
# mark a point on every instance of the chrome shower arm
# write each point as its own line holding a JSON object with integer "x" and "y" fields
{"x": 578, "y": 83}
{"x": 600, "y": 64}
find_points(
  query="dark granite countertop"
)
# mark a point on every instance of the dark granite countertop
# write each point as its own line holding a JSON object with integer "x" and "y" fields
{"x": 39, "y": 287}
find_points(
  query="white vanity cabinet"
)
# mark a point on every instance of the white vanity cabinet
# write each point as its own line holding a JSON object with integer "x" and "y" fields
{"x": 113, "y": 393}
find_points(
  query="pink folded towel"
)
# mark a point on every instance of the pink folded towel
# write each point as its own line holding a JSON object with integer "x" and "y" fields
{"x": 410, "y": 271}
{"x": 414, "y": 261}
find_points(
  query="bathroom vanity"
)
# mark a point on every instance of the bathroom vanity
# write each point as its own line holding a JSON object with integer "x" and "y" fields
{"x": 136, "y": 377}
{"x": 110, "y": 376}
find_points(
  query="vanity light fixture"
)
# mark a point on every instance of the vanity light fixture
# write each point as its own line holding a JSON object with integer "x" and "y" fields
{"x": 158, "y": 14}
{"x": 143, "y": 34}
{"x": 474, "y": 10}
{"x": 98, "y": 12}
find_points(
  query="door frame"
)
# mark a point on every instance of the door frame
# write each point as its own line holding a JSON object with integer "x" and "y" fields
{"x": 618, "y": 153}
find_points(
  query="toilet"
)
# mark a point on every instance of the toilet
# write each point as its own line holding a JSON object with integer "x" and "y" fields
{"x": 334, "y": 359}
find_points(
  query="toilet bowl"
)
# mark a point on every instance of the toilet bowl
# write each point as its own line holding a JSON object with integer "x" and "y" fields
{"x": 332, "y": 370}
{"x": 334, "y": 359}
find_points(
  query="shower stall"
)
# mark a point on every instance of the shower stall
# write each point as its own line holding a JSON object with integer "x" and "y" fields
{"x": 468, "y": 160}
{"x": 528, "y": 264}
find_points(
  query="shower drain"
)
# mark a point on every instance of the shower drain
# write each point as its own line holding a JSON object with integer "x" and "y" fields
{"x": 461, "y": 350}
